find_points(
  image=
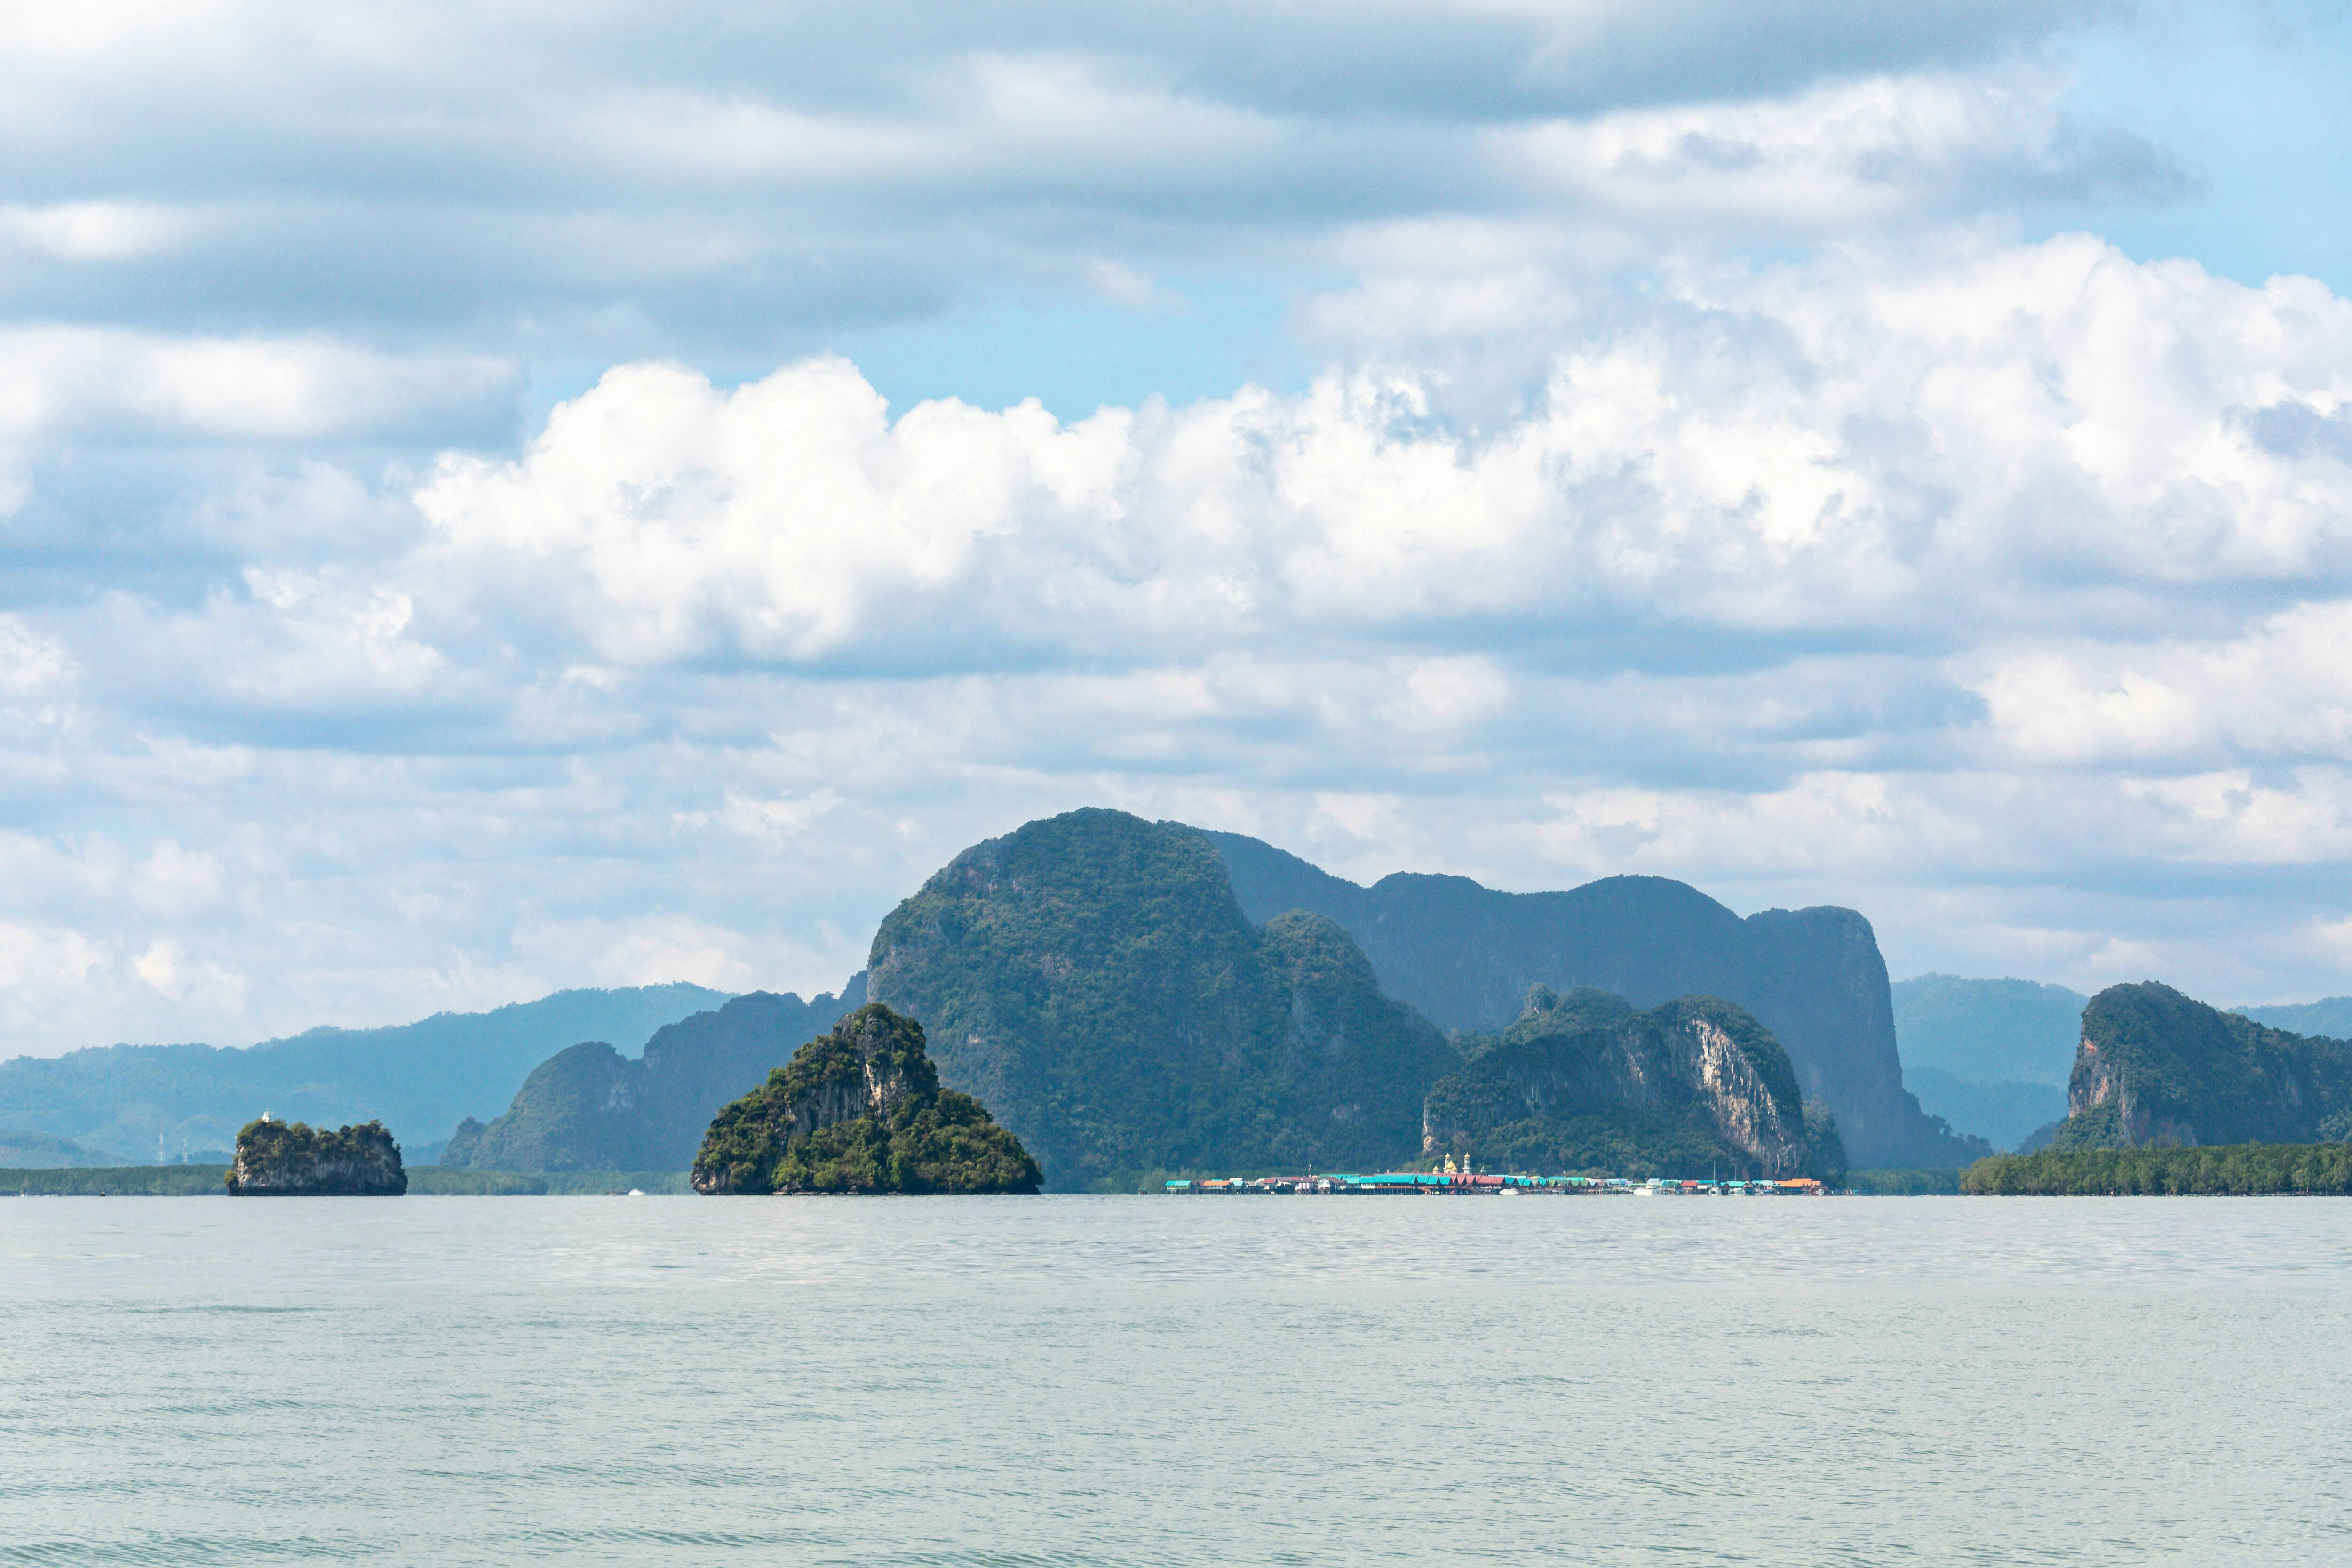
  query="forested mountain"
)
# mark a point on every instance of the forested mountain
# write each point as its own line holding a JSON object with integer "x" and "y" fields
{"x": 588, "y": 1108}
{"x": 1092, "y": 980}
{"x": 2159, "y": 1068}
{"x": 1464, "y": 955}
{"x": 860, "y": 1110}
{"x": 1991, "y": 1056}
{"x": 418, "y": 1079}
{"x": 2004, "y": 1114}
{"x": 1989, "y": 1031}
{"x": 40, "y": 1151}
{"x": 1585, "y": 1084}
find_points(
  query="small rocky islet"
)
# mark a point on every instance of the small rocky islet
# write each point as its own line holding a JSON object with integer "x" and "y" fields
{"x": 292, "y": 1159}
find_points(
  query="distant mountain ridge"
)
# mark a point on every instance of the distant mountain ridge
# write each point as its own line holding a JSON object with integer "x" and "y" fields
{"x": 419, "y": 1079}
{"x": 588, "y": 1108}
{"x": 2004, "y": 1113}
{"x": 1466, "y": 954}
{"x": 2330, "y": 1017}
{"x": 40, "y": 1151}
{"x": 1989, "y": 1031}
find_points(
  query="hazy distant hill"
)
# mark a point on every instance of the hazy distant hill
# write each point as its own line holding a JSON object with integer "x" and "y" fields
{"x": 1466, "y": 954}
{"x": 1989, "y": 1031}
{"x": 1092, "y": 981}
{"x": 587, "y": 1107}
{"x": 39, "y": 1151}
{"x": 1585, "y": 1084}
{"x": 2159, "y": 1068}
{"x": 1991, "y": 1056}
{"x": 418, "y": 1079}
{"x": 2004, "y": 1113}
{"x": 2331, "y": 1017}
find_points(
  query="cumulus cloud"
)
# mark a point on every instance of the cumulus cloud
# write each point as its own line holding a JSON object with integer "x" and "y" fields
{"x": 445, "y": 564}
{"x": 2037, "y": 435}
{"x": 1840, "y": 581}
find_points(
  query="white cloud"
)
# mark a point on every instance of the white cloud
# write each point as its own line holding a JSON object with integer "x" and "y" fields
{"x": 176, "y": 881}
{"x": 1696, "y": 480}
{"x": 2280, "y": 691}
{"x": 32, "y": 958}
{"x": 30, "y": 664}
{"x": 92, "y": 231}
{"x": 671, "y": 179}
{"x": 2041, "y": 431}
{"x": 205, "y": 988}
{"x": 113, "y": 383}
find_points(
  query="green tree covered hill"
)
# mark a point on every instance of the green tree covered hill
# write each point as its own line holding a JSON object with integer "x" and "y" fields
{"x": 1093, "y": 980}
{"x": 860, "y": 1110}
{"x": 2157, "y": 1068}
{"x": 1585, "y": 1084}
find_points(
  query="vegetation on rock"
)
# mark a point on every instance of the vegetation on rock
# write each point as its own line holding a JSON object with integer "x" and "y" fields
{"x": 1464, "y": 955}
{"x": 2243, "y": 1170}
{"x": 1584, "y": 1084}
{"x": 860, "y": 1110}
{"x": 2157, "y": 1068}
{"x": 1093, "y": 980}
{"x": 292, "y": 1159}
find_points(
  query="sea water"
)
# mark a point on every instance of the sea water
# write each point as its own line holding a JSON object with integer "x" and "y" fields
{"x": 1162, "y": 1380}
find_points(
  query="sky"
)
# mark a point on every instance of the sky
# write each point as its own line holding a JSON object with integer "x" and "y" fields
{"x": 506, "y": 496}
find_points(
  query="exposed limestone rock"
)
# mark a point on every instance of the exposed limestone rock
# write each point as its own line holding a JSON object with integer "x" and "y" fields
{"x": 1586, "y": 1083}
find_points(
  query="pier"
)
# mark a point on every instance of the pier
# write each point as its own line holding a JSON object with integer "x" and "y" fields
{"x": 1439, "y": 1183}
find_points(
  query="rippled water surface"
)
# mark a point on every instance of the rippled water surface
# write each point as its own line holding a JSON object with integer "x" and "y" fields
{"x": 1070, "y": 1380}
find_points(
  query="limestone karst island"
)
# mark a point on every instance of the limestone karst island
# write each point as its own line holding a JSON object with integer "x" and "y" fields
{"x": 1096, "y": 1003}
{"x": 288, "y": 1159}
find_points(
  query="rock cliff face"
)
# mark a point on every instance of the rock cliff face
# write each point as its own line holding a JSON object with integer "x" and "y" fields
{"x": 860, "y": 1110}
{"x": 1466, "y": 954}
{"x": 1092, "y": 978}
{"x": 1585, "y": 1083}
{"x": 288, "y": 1159}
{"x": 2158, "y": 1067}
{"x": 588, "y": 1108}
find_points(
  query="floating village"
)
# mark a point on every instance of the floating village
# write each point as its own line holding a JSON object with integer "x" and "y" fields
{"x": 1452, "y": 1181}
